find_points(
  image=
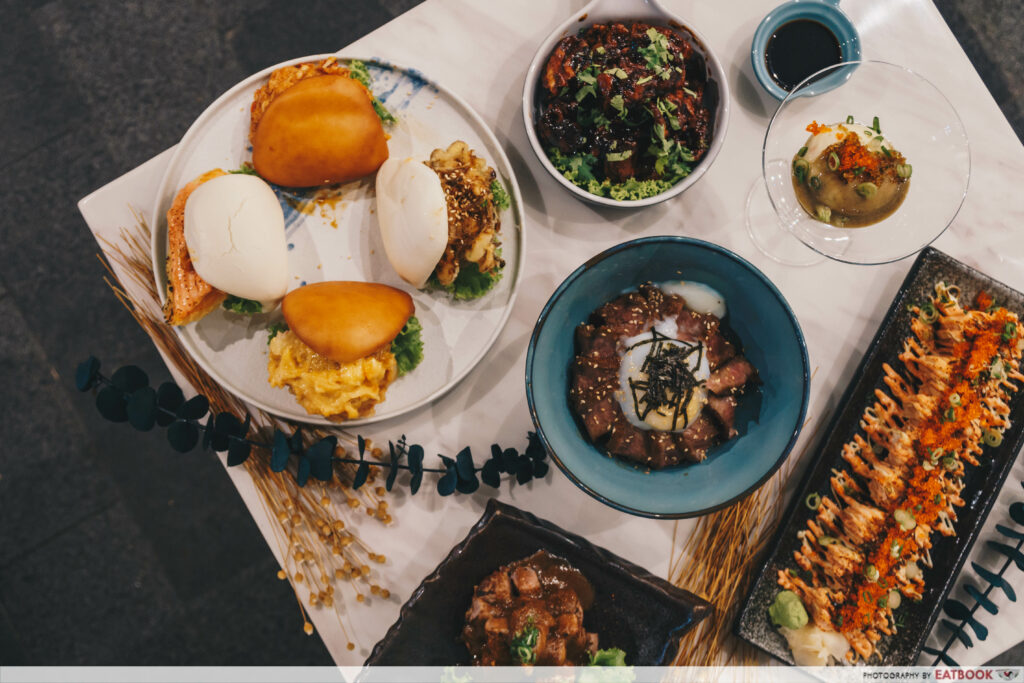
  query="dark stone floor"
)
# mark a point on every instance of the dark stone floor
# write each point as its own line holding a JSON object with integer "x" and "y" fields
{"x": 113, "y": 548}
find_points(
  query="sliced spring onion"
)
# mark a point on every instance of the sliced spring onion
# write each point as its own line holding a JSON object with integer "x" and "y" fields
{"x": 823, "y": 213}
{"x": 871, "y": 572}
{"x": 949, "y": 463}
{"x": 895, "y": 549}
{"x": 1009, "y": 331}
{"x": 858, "y": 170}
{"x": 833, "y": 161}
{"x": 996, "y": 369}
{"x": 813, "y": 501}
{"x": 927, "y": 466}
{"x": 801, "y": 168}
{"x": 954, "y": 400}
{"x": 878, "y": 138}
{"x": 992, "y": 438}
{"x": 866, "y": 190}
{"x": 886, "y": 152}
{"x": 803, "y": 151}
{"x": 875, "y": 126}
{"x": 905, "y": 519}
{"x": 929, "y": 314}
{"x": 815, "y": 183}
{"x": 950, "y": 415}
{"x": 827, "y": 540}
{"x": 894, "y": 599}
{"x": 918, "y": 507}
{"x": 938, "y": 499}
{"x": 904, "y": 170}
{"x": 849, "y": 119}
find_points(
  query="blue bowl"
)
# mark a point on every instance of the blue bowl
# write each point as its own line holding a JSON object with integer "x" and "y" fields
{"x": 825, "y": 12}
{"x": 768, "y": 421}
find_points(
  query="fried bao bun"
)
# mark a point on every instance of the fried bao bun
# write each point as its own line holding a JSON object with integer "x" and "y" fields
{"x": 346, "y": 321}
{"x": 321, "y": 130}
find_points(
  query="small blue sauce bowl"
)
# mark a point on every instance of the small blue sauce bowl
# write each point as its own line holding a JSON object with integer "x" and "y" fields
{"x": 768, "y": 420}
{"x": 826, "y": 13}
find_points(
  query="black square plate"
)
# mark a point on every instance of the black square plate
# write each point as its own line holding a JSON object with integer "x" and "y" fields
{"x": 633, "y": 610}
{"x": 981, "y": 488}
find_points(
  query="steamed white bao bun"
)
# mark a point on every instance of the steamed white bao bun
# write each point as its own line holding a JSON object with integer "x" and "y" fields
{"x": 413, "y": 218}
{"x": 234, "y": 229}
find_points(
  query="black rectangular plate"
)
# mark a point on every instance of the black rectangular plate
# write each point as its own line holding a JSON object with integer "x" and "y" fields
{"x": 982, "y": 483}
{"x": 632, "y": 610}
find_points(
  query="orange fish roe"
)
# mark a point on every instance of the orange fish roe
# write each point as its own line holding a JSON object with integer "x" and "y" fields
{"x": 814, "y": 128}
{"x": 942, "y": 434}
{"x": 853, "y": 155}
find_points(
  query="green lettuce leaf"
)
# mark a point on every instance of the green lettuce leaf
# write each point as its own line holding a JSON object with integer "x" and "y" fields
{"x": 469, "y": 284}
{"x": 408, "y": 346}
{"x": 237, "y": 304}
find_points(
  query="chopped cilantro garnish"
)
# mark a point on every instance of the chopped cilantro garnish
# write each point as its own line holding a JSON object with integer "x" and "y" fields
{"x": 656, "y": 54}
{"x": 237, "y": 304}
{"x": 408, "y": 346}
{"x": 276, "y": 329}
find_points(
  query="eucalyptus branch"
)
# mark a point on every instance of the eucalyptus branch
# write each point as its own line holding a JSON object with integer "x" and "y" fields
{"x": 126, "y": 396}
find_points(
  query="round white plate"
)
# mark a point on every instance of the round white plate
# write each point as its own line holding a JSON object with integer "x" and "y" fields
{"x": 338, "y": 238}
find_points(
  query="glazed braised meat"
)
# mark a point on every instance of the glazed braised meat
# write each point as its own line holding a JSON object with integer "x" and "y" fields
{"x": 630, "y": 95}
{"x": 596, "y": 395}
{"x": 473, "y": 221}
{"x": 530, "y": 612}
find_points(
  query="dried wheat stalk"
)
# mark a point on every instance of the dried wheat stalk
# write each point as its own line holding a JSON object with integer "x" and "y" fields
{"x": 717, "y": 563}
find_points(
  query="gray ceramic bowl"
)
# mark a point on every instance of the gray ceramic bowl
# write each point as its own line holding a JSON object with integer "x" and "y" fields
{"x": 602, "y": 11}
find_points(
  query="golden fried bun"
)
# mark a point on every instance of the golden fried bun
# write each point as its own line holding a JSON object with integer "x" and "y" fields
{"x": 320, "y": 130}
{"x": 345, "y": 321}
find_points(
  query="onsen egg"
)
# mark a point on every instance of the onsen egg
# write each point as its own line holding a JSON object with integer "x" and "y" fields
{"x": 675, "y": 414}
{"x": 699, "y": 297}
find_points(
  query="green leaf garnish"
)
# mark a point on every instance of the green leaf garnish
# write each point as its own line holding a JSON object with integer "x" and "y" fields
{"x": 408, "y": 346}
{"x": 276, "y": 329}
{"x": 237, "y": 304}
{"x": 245, "y": 169}
{"x": 469, "y": 284}
{"x": 613, "y": 656}
{"x": 357, "y": 71}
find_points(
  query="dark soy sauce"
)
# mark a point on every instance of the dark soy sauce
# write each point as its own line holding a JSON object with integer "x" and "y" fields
{"x": 798, "y": 49}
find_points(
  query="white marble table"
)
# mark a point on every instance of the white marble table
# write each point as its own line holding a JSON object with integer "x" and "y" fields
{"x": 481, "y": 51}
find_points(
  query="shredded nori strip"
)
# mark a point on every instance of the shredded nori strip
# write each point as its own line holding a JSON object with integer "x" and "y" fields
{"x": 670, "y": 381}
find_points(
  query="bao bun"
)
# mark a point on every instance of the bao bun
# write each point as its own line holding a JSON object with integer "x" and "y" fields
{"x": 321, "y": 130}
{"x": 346, "y": 321}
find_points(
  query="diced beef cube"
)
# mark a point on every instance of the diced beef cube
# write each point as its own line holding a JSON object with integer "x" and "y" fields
{"x": 662, "y": 450}
{"x": 719, "y": 349}
{"x": 698, "y": 437}
{"x": 526, "y": 580}
{"x": 695, "y": 327}
{"x": 599, "y": 417}
{"x": 731, "y": 377}
{"x": 496, "y": 587}
{"x": 723, "y": 408}
{"x": 595, "y": 344}
{"x": 627, "y": 441}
